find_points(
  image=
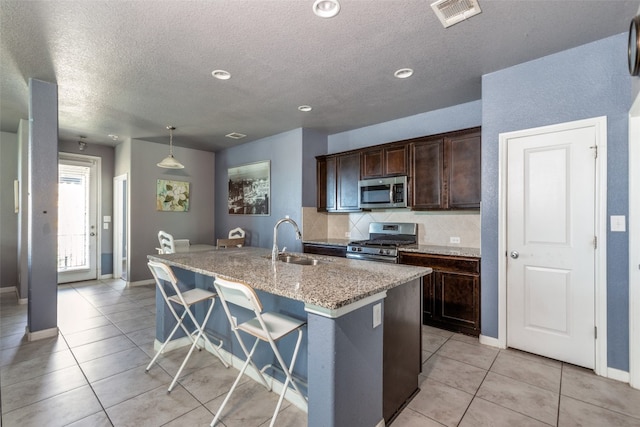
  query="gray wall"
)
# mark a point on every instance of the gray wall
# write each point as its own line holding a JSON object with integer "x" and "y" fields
{"x": 8, "y": 218}
{"x": 197, "y": 224}
{"x": 107, "y": 156}
{"x": 284, "y": 151}
{"x": 588, "y": 81}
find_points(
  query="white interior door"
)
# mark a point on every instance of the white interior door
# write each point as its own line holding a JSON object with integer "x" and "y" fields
{"x": 120, "y": 258}
{"x": 551, "y": 243}
{"x": 77, "y": 219}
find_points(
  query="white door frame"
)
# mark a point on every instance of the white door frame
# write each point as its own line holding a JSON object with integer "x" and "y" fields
{"x": 600, "y": 124}
{"x": 117, "y": 226}
{"x": 634, "y": 244}
{"x": 97, "y": 184}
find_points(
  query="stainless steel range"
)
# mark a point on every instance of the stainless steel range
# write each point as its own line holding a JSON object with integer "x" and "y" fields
{"x": 384, "y": 240}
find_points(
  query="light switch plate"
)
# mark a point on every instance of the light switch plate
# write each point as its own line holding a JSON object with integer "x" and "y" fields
{"x": 618, "y": 223}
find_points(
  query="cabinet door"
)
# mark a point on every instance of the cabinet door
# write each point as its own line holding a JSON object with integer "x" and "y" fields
{"x": 463, "y": 171}
{"x": 396, "y": 160}
{"x": 428, "y": 180}
{"x": 325, "y": 184}
{"x": 348, "y": 174}
{"x": 458, "y": 299}
{"x": 372, "y": 164}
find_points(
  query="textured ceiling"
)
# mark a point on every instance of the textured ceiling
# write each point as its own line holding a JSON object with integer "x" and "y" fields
{"x": 133, "y": 67}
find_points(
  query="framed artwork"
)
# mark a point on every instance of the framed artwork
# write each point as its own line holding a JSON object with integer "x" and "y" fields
{"x": 172, "y": 196}
{"x": 249, "y": 189}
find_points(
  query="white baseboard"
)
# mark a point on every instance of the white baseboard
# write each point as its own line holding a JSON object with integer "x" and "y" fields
{"x": 14, "y": 289}
{"x": 38, "y": 335}
{"x": 490, "y": 341}
{"x": 237, "y": 363}
{"x": 106, "y": 276}
{"x": 618, "y": 375}
{"x": 380, "y": 423}
{"x": 141, "y": 282}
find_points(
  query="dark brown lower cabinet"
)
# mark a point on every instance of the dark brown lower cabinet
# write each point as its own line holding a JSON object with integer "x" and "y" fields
{"x": 451, "y": 294}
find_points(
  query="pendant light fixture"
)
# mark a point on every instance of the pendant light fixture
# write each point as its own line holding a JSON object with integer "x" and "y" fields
{"x": 170, "y": 162}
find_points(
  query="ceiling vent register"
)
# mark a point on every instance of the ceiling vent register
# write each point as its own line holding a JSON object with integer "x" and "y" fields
{"x": 450, "y": 12}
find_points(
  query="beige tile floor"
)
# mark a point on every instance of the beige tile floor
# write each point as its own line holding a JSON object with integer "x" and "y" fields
{"x": 93, "y": 374}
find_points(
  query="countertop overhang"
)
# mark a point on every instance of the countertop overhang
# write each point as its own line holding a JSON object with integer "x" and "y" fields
{"x": 327, "y": 288}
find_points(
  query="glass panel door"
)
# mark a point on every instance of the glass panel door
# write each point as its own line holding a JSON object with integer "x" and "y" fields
{"x": 76, "y": 258}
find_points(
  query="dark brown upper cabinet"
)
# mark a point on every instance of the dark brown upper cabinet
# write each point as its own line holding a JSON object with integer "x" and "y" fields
{"x": 389, "y": 160}
{"x": 443, "y": 171}
{"x": 337, "y": 180}
{"x": 446, "y": 171}
{"x": 427, "y": 180}
{"x": 462, "y": 164}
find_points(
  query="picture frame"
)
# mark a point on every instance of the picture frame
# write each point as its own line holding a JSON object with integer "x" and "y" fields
{"x": 172, "y": 196}
{"x": 249, "y": 189}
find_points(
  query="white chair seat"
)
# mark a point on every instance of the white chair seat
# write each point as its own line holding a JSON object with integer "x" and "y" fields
{"x": 277, "y": 324}
{"x": 193, "y": 296}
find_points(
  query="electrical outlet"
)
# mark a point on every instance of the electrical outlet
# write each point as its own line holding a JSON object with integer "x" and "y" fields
{"x": 377, "y": 315}
{"x": 347, "y": 234}
{"x": 454, "y": 240}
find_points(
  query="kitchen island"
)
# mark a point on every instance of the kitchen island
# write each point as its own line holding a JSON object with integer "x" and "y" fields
{"x": 343, "y": 302}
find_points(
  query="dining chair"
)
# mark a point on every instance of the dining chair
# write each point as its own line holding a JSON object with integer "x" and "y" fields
{"x": 167, "y": 245}
{"x": 236, "y": 238}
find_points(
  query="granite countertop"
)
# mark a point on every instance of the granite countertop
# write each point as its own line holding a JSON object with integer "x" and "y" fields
{"x": 332, "y": 284}
{"x": 423, "y": 249}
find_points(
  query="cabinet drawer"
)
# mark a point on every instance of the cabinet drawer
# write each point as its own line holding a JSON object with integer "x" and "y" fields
{"x": 442, "y": 262}
{"x": 318, "y": 249}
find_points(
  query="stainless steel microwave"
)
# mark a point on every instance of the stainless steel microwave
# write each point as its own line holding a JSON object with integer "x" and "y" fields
{"x": 382, "y": 193}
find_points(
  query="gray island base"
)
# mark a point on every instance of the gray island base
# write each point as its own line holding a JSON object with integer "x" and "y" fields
{"x": 360, "y": 356}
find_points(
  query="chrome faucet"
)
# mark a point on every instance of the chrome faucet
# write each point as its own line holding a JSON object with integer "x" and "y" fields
{"x": 275, "y": 252}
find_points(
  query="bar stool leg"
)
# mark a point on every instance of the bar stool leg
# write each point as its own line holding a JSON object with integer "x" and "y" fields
{"x": 287, "y": 372}
{"x": 235, "y": 383}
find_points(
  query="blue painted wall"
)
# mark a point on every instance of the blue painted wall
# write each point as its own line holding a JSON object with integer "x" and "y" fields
{"x": 458, "y": 117}
{"x": 285, "y": 153}
{"x": 588, "y": 81}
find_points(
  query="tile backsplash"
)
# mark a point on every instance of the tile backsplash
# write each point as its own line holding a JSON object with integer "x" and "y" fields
{"x": 434, "y": 228}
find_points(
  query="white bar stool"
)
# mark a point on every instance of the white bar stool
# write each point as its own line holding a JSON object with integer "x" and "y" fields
{"x": 162, "y": 272}
{"x": 265, "y": 326}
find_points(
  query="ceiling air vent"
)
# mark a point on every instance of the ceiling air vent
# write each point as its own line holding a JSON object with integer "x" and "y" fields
{"x": 235, "y": 135}
{"x": 451, "y": 12}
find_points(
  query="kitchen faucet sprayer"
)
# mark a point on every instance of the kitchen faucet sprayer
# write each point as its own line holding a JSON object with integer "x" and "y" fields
{"x": 275, "y": 252}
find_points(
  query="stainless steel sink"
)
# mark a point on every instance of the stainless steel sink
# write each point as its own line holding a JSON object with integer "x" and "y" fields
{"x": 290, "y": 259}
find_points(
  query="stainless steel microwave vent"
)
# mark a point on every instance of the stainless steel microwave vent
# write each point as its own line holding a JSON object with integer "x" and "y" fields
{"x": 451, "y": 12}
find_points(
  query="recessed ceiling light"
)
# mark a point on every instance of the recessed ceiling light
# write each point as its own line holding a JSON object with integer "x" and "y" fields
{"x": 403, "y": 73}
{"x": 305, "y": 108}
{"x": 113, "y": 136}
{"x": 221, "y": 74}
{"x": 326, "y": 8}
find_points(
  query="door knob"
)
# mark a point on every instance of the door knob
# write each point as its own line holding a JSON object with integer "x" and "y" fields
{"x": 515, "y": 254}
